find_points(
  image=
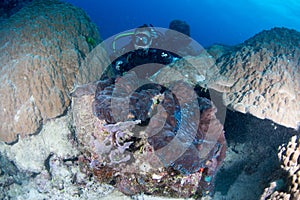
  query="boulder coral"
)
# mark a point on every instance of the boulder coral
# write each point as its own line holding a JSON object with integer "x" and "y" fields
{"x": 262, "y": 76}
{"x": 42, "y": 47}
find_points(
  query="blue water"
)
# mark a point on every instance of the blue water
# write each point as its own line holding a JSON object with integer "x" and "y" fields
{"x": 212, "y": 21}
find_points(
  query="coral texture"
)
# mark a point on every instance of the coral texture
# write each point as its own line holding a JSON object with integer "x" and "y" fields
{"x": 262, "y": 76}
{"x": 143, "y": 141}
{"x": 289, "y": 155}
{"x": 41, "y": 49}
{"x": 200, "y": 69}
{"x": 61, "y": 180}
{"x": 30, "y": 153}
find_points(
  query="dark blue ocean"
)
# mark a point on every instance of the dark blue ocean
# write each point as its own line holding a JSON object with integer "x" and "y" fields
{"x": 211, "y": 21}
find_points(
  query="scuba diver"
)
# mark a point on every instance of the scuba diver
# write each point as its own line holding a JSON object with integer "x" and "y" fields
{"x": 144, "y": 55}
{"x": 143, "y": 49}
{"x": 148, "y": 45}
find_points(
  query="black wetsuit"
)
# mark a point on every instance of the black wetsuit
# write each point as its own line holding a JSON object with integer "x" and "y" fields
{"x": 143, "y": 62}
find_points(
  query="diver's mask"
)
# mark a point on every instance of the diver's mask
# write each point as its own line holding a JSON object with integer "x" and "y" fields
{"x": 142, "y": 40}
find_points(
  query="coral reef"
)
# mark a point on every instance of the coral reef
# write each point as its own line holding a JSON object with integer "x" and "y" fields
{"x": 150, "y": 140}
{"x": 30, "y": 153}
{"x": 262, "y": 77}
{"x": 196, "y": 70}
{"x": 289, "y": 155}
{"x": 42, "y": 48}
{"x": 134, "y": 135}
{"x": 62, "y": 180}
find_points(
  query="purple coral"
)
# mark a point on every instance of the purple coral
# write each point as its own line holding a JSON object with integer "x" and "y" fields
{"x": 112, "y": 148}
